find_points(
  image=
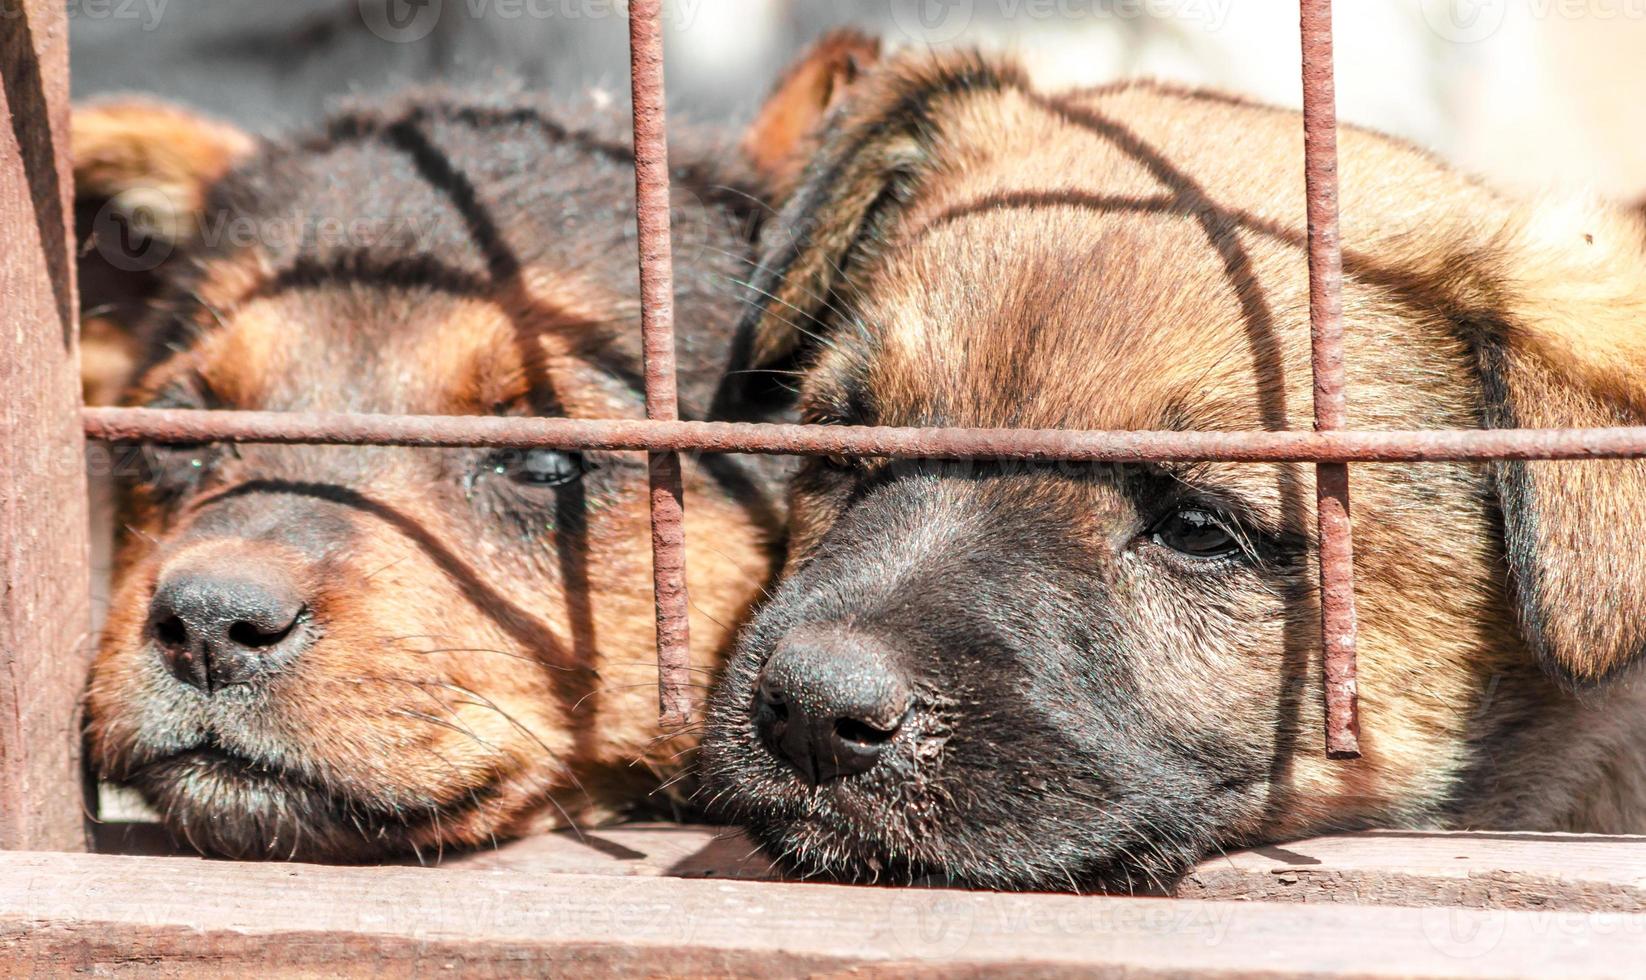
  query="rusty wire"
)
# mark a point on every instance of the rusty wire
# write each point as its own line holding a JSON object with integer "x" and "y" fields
{"x": 182, "y": 426}
{"x": 651, "y": 181}
{"x": 1336, "y": 542}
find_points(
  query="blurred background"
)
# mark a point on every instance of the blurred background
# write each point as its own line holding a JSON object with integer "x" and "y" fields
{"x": 1539, "y": 94}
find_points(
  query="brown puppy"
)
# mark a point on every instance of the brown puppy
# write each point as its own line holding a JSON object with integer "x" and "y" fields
{"x": 341, "y": 653}
{"x": 1081, "y": 675}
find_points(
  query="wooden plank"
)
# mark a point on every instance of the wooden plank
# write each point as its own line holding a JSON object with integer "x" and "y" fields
{"x": 637, "y": 849}
{"x": 1568, "y": 872}
{"x": 1576, "y": 872}
{"x": 44, "y": 554}
{"x": 1572, "y": 872}
{"x": 166, "y": 917}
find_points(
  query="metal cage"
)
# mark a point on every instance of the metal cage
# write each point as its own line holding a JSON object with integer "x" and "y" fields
{"x": 39, "y": 396}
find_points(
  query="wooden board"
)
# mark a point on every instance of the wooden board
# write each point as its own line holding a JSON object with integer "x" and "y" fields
{"x": 1539, "y": 872}
{"x": 1573, "y": 872}
{"x": 168, "y": 917}
{"x": 44, "y": 583}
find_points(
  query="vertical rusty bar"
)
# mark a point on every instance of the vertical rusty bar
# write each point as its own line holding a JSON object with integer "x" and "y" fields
{"x": 1337, "y": 600}
{"x": 651, "y": 178}
{"x": 45, "y": 589}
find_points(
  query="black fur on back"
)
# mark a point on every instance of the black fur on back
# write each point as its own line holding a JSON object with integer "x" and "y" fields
{"x": 462, "y": 192}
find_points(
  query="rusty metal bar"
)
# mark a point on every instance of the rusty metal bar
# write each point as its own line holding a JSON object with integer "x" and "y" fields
{"x": 327, "y": 428}
{"x": 1336, "y": 544}
{"x": 651, "y": 186}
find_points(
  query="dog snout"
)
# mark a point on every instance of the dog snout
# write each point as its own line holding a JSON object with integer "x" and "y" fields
{"x": 830, "y": 703}
{"x": 220, "y": 624}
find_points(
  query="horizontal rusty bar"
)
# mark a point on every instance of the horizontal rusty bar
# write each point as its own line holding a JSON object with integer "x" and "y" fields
{"x": 1342, "y": 446}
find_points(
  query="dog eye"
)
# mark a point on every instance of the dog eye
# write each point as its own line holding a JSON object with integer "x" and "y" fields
{"x": 833, "y": 461}
{"x": 174, "y": 469}
{"x": 1196, "y": 532}
{"x": 539, "y": 467}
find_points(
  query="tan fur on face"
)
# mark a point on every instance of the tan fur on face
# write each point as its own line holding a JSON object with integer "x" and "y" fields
{"x": 148, "y": 166}
{"x": 1132, "y": 258}
{"x": 450, "y": 678}
{"x": 473, "y": 653}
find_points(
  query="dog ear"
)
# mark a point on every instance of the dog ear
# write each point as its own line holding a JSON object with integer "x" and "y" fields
{"x": 1564, "y": 346}
{"x": 142, "y": 171}
{"x": 784, "y": 133}
{"x": 872, "y": 155}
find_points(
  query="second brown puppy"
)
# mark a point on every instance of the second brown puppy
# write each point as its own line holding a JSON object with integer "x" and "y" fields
{"x": 1073, "y": 676}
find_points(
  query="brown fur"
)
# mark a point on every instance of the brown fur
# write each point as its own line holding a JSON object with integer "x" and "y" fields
{"x": 141, "y": 169}
{"x": 162, "y": 154}
{"x": 470, "y": 679}
{"x": 977, "y": 253}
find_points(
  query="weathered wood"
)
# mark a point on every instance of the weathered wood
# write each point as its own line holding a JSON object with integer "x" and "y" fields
{"x": 44, "y": 554}
{"x": 167, "y": 917}
{"x": 1572, "y": 872}
{"x": 635, "y": 849}
{"x": 1566, "y": 872}
{"x": 1467, "y": 870}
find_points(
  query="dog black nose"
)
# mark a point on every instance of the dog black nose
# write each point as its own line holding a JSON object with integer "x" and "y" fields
{"x": 217, "y": 627}
{"x": 830, "y": 703}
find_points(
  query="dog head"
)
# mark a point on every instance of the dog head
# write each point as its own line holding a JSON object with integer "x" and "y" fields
{"x": 344, "y": 652}
{"x": 1071, "y": 675}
